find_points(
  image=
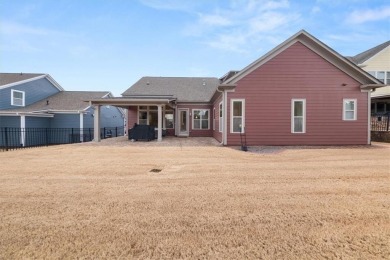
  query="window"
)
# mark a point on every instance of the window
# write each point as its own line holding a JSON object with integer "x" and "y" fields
{"x": 200, "y": 119}
{"x": 214, "y": 118}
{"x": 237, "y": 118}
{"x": 383, "y": 76}
{"x": 349, "y": 109}
{"x": 148, "y": 115}
{"x": 169, "y": 123}
{"x": 298, "y": 116}
{"x": 143, "y": 117}
{"x": 17, "y": 98}
{"x": 220, "y": 117}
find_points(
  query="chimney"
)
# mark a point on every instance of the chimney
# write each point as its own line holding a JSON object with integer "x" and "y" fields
{"x": 47, "y": 102}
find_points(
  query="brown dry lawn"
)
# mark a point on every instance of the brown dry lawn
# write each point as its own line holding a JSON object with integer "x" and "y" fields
{"x": 98, "y": 201}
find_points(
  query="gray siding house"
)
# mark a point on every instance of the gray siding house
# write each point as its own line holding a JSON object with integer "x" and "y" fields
{"x": 37, "y": 101}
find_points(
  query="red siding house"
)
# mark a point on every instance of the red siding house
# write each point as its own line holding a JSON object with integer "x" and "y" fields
{"x": 300, "y": 93}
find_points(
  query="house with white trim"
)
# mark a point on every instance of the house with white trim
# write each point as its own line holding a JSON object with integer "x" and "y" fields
{"x": 29, "y": 100}
{"x": 376, "y": 61}
{"x": 302, "y": 92}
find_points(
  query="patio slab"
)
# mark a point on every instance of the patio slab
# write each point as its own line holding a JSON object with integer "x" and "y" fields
{"x": 166, "y": 141}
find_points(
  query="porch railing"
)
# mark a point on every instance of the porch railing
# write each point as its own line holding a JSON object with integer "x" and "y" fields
{"x": 380, "y": 122}
{"x": 18, "y": 138}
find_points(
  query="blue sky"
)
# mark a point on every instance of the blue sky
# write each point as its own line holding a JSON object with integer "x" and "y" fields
{"x": 110, "y": 44}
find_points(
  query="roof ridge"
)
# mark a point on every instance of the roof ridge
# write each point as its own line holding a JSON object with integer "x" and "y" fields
{"x": 365, "y": 55}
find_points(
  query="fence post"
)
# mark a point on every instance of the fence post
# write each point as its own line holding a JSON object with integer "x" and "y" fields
{"x": 116, "y": 131}
{"x": 104, "y": 133}
{"x": 6, "y": 139}
{"x": 47, "y": 136}
{"x": 388, "y": 119}
{"x": 89, "y": 132}
{"x": 71, "y": 138}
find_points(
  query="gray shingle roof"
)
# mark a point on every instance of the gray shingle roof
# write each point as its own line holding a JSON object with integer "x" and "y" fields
{"x": 184, "y": 89}
{"x": 64, "y": 100}
{"x": 228, "y": 75}
{"x": 7, "y": 78}
{"x": 362, "y": 57}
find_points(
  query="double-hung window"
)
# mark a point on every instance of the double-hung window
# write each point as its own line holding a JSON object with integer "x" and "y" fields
{"x": 349, "y": 109}
{"x": 383, "y": 76}
{"x": 237, "y": 118}
{"x": 200, "y": 119}
{"x": 298, "y": 116}
{"x": 220, "y": 117}
{"x": 169, "y": 122}
{"x": 17, "y": 98}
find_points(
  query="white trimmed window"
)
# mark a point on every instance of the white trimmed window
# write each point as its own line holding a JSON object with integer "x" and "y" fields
{"x": 200, "y": 119}
{"x": 383, "y": 76}
{"x": 214, "y": 118}
{"x": 220, "y": 117}
{"x": 349, "y": 109}
{"x": 17, "y": 98}
{"x": 169, "y": 119}
{"x": 298, "y": 116}
{"x": 237, "y": 116}
{"x": 148, "y": 115}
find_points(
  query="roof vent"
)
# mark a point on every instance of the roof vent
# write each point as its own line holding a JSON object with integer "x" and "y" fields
{"x": 21, "y": 73}
{"x": 147, "y": 83}
{"x": 204, "y": 83}
{"x": 47, "y": 102}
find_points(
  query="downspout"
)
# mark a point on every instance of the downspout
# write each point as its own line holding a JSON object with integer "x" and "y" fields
{"x": 223, "y": 109}
{"x": 369, "y": 117}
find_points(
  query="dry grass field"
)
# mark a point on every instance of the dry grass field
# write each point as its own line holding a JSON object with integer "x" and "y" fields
{"x": 99, "y": 201}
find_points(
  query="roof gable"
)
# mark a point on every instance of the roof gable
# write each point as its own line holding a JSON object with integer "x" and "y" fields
{"x": 12, "y": 79}
{"x": 63, "y": 101}
{"x": 316, "y": 46}
{"x": 368, "y": 54}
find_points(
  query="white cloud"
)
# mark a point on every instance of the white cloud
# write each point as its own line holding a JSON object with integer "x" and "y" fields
{"x": 315, "y": 10}
{"x": 8, "y": 28}
{"x": 229, "y": 42}
{"x": 214, "y": 20}
{"x": 179, "y": 5}
{"x": 267, "y": 22}
{"x": 363, "y": 16}
{"x": 243, "y": 24}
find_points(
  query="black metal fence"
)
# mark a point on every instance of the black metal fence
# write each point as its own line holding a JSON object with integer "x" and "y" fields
{"x": 380, "y": 122}
{"x": 17, "y": 138}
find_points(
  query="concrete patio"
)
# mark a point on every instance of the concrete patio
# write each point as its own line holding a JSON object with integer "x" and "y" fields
{"x": 166, "y": 141}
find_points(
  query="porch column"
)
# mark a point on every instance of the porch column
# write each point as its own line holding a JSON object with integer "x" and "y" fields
{"x": 159, "y": 124}
{"x": 96, "y": 124}
{"x": 81, "y": 127}
{"x": 23, "y": 130}
{"x": 225, "y": 119}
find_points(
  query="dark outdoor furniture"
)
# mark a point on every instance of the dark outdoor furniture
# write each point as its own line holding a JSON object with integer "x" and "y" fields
{"x": 142, "y": 132}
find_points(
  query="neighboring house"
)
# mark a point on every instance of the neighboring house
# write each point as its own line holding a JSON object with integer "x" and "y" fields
{"x": 38, "y": 101}
{"x": 300, "y": 93}
{"x": 376, "y": 61}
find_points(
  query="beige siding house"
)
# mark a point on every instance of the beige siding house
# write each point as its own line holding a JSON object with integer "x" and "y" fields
{"x": 376, "y": 61}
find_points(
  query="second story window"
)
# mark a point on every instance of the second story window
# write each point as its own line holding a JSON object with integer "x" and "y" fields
{"x": 383, "y": 76}
{"x": 17, "y": 98}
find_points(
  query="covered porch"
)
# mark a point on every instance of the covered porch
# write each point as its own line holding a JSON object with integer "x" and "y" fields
{"x": 159, "y": 104}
